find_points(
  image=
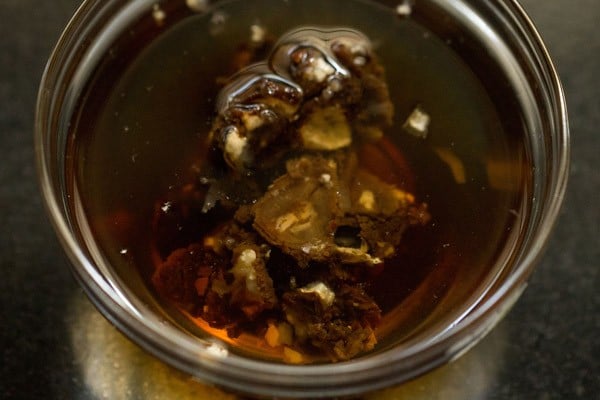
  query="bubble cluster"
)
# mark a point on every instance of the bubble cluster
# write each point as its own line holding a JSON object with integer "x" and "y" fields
{"x": 309, "y": 93}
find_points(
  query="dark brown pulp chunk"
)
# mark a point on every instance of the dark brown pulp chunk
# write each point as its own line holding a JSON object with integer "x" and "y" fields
{"x": 298, "y": 226}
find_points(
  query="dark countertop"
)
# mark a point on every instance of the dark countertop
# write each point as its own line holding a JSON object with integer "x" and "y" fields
{"x": 55, "y": 345}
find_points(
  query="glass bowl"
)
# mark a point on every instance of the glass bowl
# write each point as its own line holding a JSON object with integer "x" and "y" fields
{"x": 495, "y": 38}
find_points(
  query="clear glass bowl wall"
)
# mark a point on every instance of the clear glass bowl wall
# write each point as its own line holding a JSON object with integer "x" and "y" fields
{"x": 499, "y": 37}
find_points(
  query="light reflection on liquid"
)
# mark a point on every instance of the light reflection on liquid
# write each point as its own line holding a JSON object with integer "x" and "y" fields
{"x": 115, "y": 368}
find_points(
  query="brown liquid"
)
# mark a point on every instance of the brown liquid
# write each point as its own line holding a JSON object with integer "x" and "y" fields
{"x": 141, "y": 129}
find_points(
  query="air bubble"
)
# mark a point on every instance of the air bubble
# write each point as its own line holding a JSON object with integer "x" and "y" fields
{"x": 217, "y": 23}
{"x": 404, "y": 9}
{"x": 158, "y": 14}
{"x": 166, "y": 206}
{"x": 258, "y": 34}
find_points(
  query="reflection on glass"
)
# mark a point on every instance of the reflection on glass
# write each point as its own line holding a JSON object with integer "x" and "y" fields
{"x": 115, "y": 368}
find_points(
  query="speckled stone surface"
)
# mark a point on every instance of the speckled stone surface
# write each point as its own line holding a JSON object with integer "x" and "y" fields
{"x": 55, "y": 345}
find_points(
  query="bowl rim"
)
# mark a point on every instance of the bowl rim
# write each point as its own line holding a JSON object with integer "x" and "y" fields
{"x": 206, "y": 359}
